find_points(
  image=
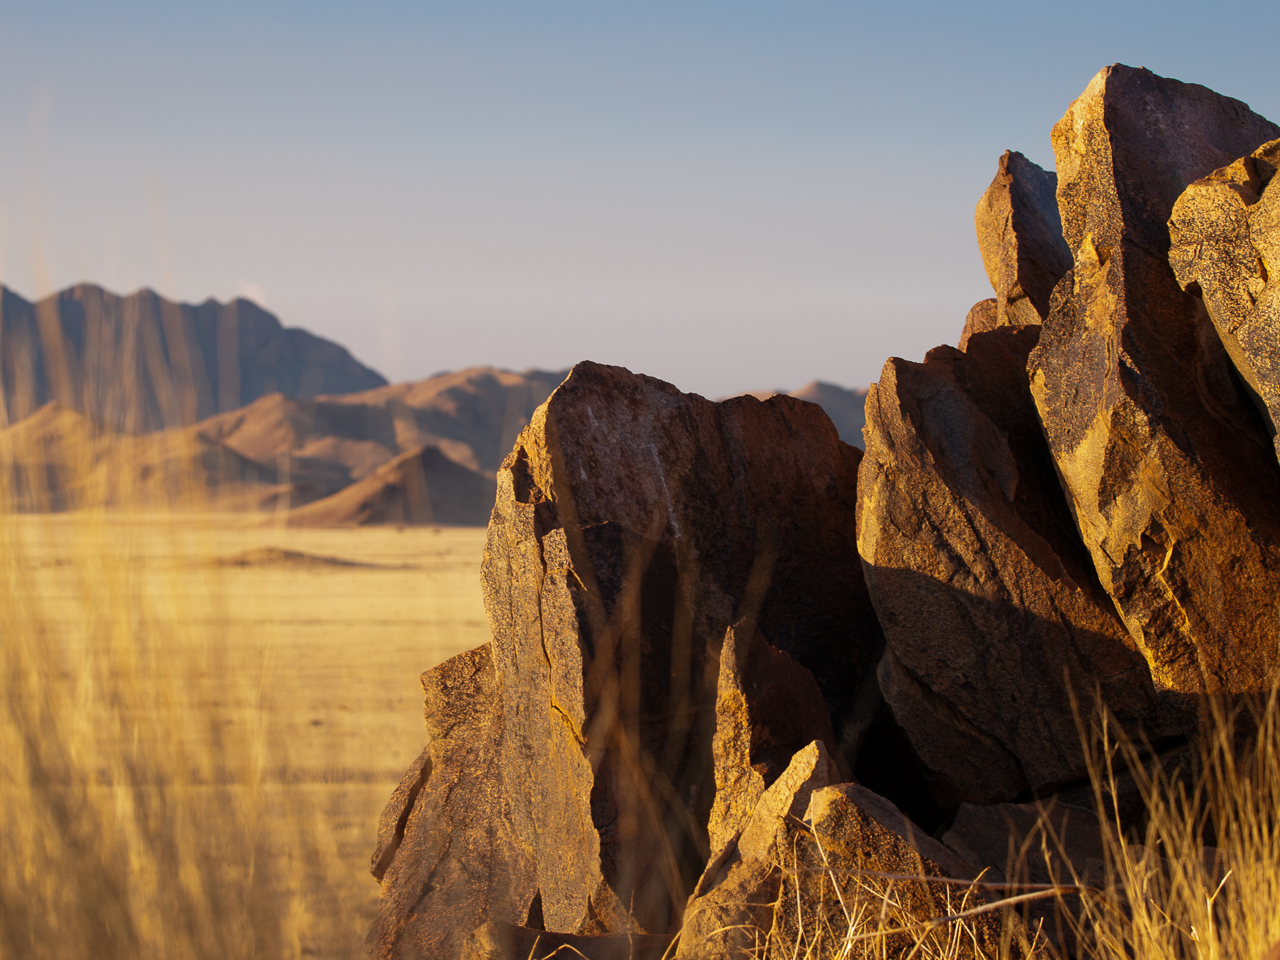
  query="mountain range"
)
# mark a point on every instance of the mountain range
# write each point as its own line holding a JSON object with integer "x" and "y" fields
{"x": 137, "y": 401}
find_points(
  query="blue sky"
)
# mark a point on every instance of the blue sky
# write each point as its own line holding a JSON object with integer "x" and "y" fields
{"x": 727, "y": 195}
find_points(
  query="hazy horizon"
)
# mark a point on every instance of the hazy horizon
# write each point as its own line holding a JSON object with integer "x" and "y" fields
{"x": 727, "y": 196}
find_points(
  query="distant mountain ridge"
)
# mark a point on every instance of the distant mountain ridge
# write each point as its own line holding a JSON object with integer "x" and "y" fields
{"x": 141, "y": 363}
{"x": 424, "y": 451}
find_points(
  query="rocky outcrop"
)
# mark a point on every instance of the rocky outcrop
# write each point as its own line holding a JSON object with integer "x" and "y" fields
{"x": 1020, "y": 238}
{"x": 1166, "y": 466}
{"x": 633, "y": 525}
{"x": 996, "y": 626}
{"x": 1225, "y": 247}
{"x": 450, "y": 856}
{"x": 693, "y": 724}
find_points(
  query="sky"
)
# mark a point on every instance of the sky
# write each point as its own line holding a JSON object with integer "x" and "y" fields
{"x": 730, "y": 196}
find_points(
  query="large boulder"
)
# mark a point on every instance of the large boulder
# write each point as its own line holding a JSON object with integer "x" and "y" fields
{"x": 1167, "y": 467}
{"x": 996, "y": 625}
{"x": 1225, "y": 246}
{"x": 1020, "y": 237}
{"x": 449, "y": 856}
{"x": 633, "y": 525}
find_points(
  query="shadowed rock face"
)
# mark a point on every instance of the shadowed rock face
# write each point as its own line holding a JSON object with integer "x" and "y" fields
{"x": 633, "y": 525}
{"x": 1167, "y": 466}
{"x": 1225, "y": 236}
{"x": 448, "y": 855}
{"x": 767, "y": 708}
{"x": 993, "y": 616}
{"x": 1020, "y": 237}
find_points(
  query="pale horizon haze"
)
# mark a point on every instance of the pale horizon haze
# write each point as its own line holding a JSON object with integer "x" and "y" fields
{"x": 729, "y": 196}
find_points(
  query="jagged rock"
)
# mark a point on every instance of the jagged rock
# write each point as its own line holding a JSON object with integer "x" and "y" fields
{"x": 982, "y": 317}
{"x": 767, "y": 708}
{"x": 448, "y": 855}
{"x": 994, "y": 620}
{"x": 1167, "y": 466}
{"x": 732, "y": 908}
{"x": 1020, "y": 237}
{"x": 507, "y": 941}
{"x": 1225, "y": 245}
{"x": 858, "y": 866}
{"x": 633, "y": 525}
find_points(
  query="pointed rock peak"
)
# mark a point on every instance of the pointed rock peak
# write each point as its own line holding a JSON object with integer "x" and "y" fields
{"x": 1020, "y": 237}
{"x": 1129, "y": 145}
{"x": 767, "y": 708}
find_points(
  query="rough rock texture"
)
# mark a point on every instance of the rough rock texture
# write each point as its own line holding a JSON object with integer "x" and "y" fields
{"x": 1168, "y": 468}
{"x": 507, "y": 941}
{"x": 982, "y": 317}
{"x": 834, "y": 883}
{"x": 732, "y": 908}
{"x": 448, "y": 855}
{"x": 1020, "y": 237}
{"x": 767, "y": 708}
{"x": 988, "y": 599}
{"x": 1225, "y": 246}
{"x": 633, "y": 525}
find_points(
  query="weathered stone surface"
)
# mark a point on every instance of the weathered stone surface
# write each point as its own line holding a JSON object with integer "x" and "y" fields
{"x": 1225, "y": 246}
{"x": 732, "y": 908}
{"x": 508, "y": 941}
{"x": 835, "y": 885}
{"x": 449, "y": 857}
{"x": 1167, "y": 466}
{"x": 993, "y": 616}
{"x": 767, "y": 708}
{"x": 1020, "y": 237}
{"x": 633, "y": 525}
{"x": 982, "y": 316}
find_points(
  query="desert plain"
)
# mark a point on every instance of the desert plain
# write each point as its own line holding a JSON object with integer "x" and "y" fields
{"x": 295, "y": 652}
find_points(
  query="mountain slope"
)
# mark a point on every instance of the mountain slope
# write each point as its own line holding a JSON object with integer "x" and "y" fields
{"x": 140, "y": 363}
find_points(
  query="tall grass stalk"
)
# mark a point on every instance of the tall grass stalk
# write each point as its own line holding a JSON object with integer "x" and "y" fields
{"x": 141, "y": 811}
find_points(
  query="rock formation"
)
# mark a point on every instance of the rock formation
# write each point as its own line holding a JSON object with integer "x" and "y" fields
{"x": 1020, "y": 237}
{"x": 705, "y": 714}
{"x": 995, "y": 622}
{"x": 1225, "y": 236}
{"x": 1162, "y": 455}
{"x": 633, "y": 525}
{"x": 449, "y": 855}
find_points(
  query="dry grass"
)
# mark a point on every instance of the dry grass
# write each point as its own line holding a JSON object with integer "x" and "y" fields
{"x": 197, "y": 749}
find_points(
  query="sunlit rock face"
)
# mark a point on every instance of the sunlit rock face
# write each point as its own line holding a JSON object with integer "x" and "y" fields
{"x": 1165, "y": 461}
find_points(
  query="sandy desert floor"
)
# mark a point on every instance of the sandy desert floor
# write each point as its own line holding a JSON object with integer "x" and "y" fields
{"x": 322, "y": 632}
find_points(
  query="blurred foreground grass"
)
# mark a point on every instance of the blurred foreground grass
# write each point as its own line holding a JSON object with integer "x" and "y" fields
{"x": 202, "y": 717}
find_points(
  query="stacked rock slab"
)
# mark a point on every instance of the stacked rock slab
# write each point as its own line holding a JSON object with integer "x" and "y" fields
{"x": 993, "y": 616}
{"x": 633, "y": 525}
{"x": 1020, "y": 238}
{"x": 449, "y": 856}
{"x": 1225, "y": 246}
{"x": 1167, "y": 467}
{"x": 768, "y": 707}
